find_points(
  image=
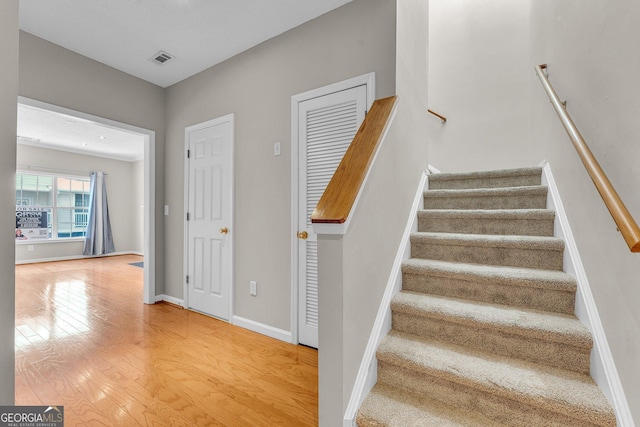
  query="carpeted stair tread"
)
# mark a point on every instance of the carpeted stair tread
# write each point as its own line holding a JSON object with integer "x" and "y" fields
{"x": 489, "y": 240}
{"x": 549, "y": 290}
{"x": 393, "y": 407}
{"x": 549, "y": 343}
{"x": 557, "y": 340}
{"x": 526, "y": 197}
{"x": 532, "y": 222}
{"x": 517, "y": 251}
{"x": 536, "y": 324}
{"x": 568, "y": 393}
{"x": 487, "y": 179}
{"x": 514, "y": 276}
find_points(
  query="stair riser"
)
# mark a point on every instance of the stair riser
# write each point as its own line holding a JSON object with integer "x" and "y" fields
{"x": 537, "y": 201}
{"x": 525, "y": 227}
{"x": 437, "y": 183}
{"x": 481, "y": 337}
{"x": 363, "y": 421}
{"x": 519, "y": 296}
{"x": 392, "y": 406}
{"x": 488, "y": 255}
{"x": 475, "y": 397}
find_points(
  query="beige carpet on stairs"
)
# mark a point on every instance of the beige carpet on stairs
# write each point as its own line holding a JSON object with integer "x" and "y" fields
{"x": 483, "y": 330}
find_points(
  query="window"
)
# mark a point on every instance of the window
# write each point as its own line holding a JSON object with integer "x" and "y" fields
{"x": 81, "y": 213}
{"x": 50, "y": 206}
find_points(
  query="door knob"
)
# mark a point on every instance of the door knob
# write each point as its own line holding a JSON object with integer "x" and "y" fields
{"x": 224, "y": 230}
{"x": 303, "y": 235}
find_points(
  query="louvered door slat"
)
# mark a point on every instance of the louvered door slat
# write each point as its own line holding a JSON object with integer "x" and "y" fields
{"x": 321, "y": 167}
{"x": 311, "y": 317}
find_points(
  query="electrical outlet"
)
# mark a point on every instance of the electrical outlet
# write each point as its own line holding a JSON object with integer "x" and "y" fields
{"x": 30, "y": 248}
{"x": 253, "y": 288}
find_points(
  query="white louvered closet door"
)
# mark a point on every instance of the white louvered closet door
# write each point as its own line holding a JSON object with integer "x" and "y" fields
{"x": 327, "y": 127}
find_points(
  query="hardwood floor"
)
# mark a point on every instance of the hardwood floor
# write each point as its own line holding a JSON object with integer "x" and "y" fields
{"x": 85, "y": 340}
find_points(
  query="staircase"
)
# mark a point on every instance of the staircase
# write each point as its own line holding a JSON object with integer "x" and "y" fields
{"x": 483, "y": 330}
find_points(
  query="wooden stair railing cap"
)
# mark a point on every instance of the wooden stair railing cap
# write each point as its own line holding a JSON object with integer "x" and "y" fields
{"x": 341, "y": 192}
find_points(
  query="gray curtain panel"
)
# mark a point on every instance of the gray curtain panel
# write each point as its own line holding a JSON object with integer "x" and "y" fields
{"x": 98, "y": 240}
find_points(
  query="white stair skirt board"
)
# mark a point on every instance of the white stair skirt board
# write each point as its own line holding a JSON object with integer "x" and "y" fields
{"x": 261, "y": 328}
{"x": 367, "y": 374}
{"x": 603, "y": 369}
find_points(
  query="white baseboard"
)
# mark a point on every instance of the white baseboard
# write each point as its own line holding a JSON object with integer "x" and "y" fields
{"x": 603, "y": 368}
{"x": 72, "y": 258}
{"x": 368, "y": 372}
{"x": 169, "y": 298}
{"x": 249, "y": 324}
{"x": 261, "y": 328}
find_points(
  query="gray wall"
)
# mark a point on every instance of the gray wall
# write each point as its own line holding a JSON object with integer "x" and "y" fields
{"x": 479, "y": 78}
{"x": 386, "y": 201}
{"x": 591, "y": 48}
{"x": 257, "y": 86}
{"x": 8, "y": 119}
{"x": 55, "y": 75}
{"x": 488, "y": 68}
{"x": 122, "y": 188}
{"x": 354, "y": 271}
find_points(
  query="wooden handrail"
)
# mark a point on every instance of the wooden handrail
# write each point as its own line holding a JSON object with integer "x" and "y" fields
{"x": 440, "y": 116}
{"x": 341, "y": 192}
{"x": 623, "y": 219}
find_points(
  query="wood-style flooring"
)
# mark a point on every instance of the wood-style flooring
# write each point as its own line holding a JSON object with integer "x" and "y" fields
{"x": 85, "y": 340}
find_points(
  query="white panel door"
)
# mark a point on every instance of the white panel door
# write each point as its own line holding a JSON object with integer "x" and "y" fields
{"x": 209, "y": 256}
{"x": 327, "y": 125}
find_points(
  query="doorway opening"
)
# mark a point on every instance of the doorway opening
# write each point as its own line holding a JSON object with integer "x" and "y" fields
{"x": 69, "y": 119}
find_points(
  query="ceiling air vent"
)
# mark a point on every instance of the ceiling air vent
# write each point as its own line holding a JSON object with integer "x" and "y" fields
{"x": 161, "y": 58}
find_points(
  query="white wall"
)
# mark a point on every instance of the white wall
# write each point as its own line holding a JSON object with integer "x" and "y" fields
{"x": 122, "y": 188}
{"x": 479, "y": 73}
{"x": 58, "y": 76}
{"x": 8, "y": 120}
{"x": 591, "y": 49}
{"x": 257, "y": 86}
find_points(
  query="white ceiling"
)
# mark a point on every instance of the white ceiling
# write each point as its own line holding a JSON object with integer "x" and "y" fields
{"x": 48, "y": 129}
{"x": 126, "y": 34}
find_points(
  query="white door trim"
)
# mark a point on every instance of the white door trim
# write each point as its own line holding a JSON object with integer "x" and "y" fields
{"x": 229, "y": 118}
{"x": 366, "y": 79}
{"x": 149, "y": 292}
